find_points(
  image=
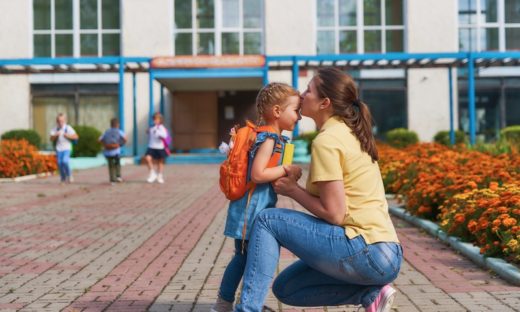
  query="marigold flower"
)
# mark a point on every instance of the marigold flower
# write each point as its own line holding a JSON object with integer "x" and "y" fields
{"x": 513, "y": 244}
{"x": 509, "y": 222}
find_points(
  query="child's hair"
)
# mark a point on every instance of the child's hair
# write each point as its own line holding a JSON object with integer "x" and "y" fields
{"x": 158, "y": 115}
{"x": 270, "y": 95}
{"x": 114, "y": 122}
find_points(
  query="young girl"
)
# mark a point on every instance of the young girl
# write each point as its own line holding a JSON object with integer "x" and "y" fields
{"x": 156, "y": 152}
{"x": 278, "y": 108}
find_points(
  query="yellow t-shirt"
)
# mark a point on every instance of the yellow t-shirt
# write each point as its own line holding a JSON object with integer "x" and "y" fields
{"x": 337, "y": 155}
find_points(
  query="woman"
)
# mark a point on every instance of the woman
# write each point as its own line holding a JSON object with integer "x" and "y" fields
{"x": 349, "y": 251}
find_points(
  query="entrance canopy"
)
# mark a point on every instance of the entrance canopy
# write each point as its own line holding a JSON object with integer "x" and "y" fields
{"x": 257, "y": 66}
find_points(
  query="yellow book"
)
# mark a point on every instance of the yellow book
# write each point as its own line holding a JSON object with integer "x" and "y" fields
{"x": 288, "y": 154}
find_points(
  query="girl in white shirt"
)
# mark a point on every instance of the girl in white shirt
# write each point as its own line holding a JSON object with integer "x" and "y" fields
{"x": 156, "y": 152}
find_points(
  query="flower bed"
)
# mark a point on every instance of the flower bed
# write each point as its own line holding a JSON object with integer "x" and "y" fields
{"x": 19, "y": 158}
{"x": 438, "y": 181}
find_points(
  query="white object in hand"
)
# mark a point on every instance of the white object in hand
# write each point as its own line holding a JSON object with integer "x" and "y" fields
{"x": 224, "y": 148}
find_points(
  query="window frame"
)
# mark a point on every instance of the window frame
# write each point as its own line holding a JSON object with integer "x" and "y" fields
{"x": 360, "y": 27}
{"x": 218, "y": 28}
{"x": 76, "y": 30}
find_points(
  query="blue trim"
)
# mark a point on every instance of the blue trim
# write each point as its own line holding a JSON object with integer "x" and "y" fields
{"x": 295, "y": 76}
{"x": 72, "y": 60}
{"x": 151, "y": 108}
{"x": 208, "y": 73}
{"x": 471, "y": 97}
{"x": 121, "y": 98}
{"x": 450, "y": 81}
{"x": 161, "y": 100}
{"x": 265, "y": 74}
{"x": 134, "y": 105}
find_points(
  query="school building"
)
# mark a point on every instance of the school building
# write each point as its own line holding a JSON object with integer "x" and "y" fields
{"x": 201, "y": 62}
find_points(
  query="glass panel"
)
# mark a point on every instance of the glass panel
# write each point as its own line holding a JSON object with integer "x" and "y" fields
{"x": 467, "y": 39}
{"x": 183, "y": 44}
{"x": 394, "y": 41}
{"x": 96, "y": 111}
{"x": 467, "y": 11}
{"x": 88, "y": 14}
{"x": 110, "y": 14}
{"x": 230, "y": 43}
{"x": 89, "y": 45}
{"x": 512, "y": 106}
{"x": 230, "y": 14}
{"x": 347, "y": 42}
{"x": 373, "y": 41}
{"x": 252, "y": 13}
{"x": 325, "y": 42}
{"x": 512, "y": 38}
{"x": 489, "y": 39}
{"x": 63, "y": 45}
{"x": 45, "y": 110}
{"x": 325, "y": 12}
{"x": 206, "y": 44}
{"x": 63, "y": 11}
{"x": 42, "y": 45}
{"x": 253, "y": 43}
{"x": 388, "y": 107}
{"x": 347, "y": 12}
{"x": 489, "y": 11}
{"x": 205, "y": 14}
{"x": 182, "y": 14}
{"x": 42, "y": 14}
{"x": 394, "y": 12}
{"x": 372, "y": 12}
{"x": 512, "y": 11}
{"x": 110, "y": 44}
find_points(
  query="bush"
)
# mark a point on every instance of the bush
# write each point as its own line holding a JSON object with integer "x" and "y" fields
{"x": 401, "y": 137}
{"x": 443, "y": 137}
{"x": 88, "y": 145}
{"x": 512, "y": 136}
{"x": 308, "y": 137}
{"x": 29, "y": 135}
{"x": 19, "y": 158}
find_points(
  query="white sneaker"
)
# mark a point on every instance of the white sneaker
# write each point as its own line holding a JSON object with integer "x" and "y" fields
{"x": 160, "y": 178}
{"x": 151, "y": 177}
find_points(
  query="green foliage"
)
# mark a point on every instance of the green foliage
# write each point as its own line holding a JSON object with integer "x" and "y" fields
{"x": 308, "y": 137}
{"x": 512, "y": 136}
{"x": 28, "y": 134}
{"x": 88, "y": 145}
{"x": 401, "y": 137}
{"x": 443, "y": 137}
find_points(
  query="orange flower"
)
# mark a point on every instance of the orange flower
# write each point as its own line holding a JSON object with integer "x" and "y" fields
{"x": 509, "y": 222}
{"x": 493, "y": 186}
{"x": 472, "y": 184}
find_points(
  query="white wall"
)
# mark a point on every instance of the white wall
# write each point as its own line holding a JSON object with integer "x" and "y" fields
{"x": 15, "y": 41}
{"x": 289, "y": 27}
{"x": 147, "y": 27}
{"x": 431, "y": 26}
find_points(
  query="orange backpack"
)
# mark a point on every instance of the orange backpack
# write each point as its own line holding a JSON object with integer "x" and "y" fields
{"x": 234, "y": 170}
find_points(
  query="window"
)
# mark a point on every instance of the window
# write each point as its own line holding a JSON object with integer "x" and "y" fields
{"x": 489, "y": 25}
{"x": 66, "y": 28}
{"x": 217, "y": 27}
{"x": 359, "y": 26}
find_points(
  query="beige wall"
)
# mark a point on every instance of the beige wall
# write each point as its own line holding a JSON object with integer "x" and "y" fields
{"x": 289, "y": 27}
{"x": 431, "y": 26}
{"x": 147, "y": 27}
{"x": 14, "y": 103}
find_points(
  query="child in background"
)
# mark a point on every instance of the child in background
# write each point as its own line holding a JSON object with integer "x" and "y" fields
{"x": 278, "y": 108}
{"x": 156, "y": 152}
{"x": 62, "y": 136}
{"x": 112, "y": 141}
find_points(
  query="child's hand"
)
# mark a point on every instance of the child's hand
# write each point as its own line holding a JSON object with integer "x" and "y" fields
{"x": 293, "y": 171}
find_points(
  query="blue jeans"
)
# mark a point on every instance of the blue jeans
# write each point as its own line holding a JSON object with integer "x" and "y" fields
{"x": 63, "y": 164}
{"x": 332, "y": 270}
{"x": 233, "y": 273}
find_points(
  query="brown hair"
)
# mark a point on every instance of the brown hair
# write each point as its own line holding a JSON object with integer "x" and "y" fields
{"x": 270, "y": 95}
{"x": 342, "y": 91}
{"x": 158, "y": 115}
{"x": 114, "y": 122}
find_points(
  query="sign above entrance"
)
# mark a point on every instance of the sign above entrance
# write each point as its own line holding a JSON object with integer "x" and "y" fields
{"x": 208, "y": 61}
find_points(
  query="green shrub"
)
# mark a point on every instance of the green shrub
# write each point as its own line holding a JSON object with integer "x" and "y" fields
{"x": 443, "y": 137}
{"x": 401, "y": 137}
{"x": 512, "y": 136}
{"x": 87, "y": 145}
{"x": 308, "y": 137}
{"x": 28, "y": 134}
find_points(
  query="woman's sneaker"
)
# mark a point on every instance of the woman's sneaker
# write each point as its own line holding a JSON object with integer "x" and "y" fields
{"x": 151, "y": 177}
{"x": 222, "y": 306}
{"x": 384, "y": 300}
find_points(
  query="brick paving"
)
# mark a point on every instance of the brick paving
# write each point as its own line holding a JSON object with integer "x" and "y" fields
{"x": 91, "y": 246}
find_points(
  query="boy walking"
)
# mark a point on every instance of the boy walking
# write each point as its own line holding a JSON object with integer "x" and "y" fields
{"x": 112, "y": 141}
{"x": 62, "y": 136}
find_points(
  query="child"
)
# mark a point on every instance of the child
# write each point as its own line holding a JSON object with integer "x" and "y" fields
{"x": 62, "y": 136}
{"x": 112, "y": 141}
{"x": 156, "y": 152}
{"x": 278, "y": 108}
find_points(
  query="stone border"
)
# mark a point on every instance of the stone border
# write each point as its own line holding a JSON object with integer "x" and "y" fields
{"x": 26, "y": 177}
{"x": 501, "y": 267}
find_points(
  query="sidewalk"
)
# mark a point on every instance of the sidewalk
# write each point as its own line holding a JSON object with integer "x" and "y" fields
{"x": 134, "y": 246}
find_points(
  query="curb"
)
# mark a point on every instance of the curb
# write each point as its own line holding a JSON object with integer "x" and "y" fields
{"x": 502, "y": 268}
{"x": 26, "y": 177}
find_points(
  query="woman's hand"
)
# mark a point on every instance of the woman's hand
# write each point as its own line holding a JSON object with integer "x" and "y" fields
{"x": 293, "y": 171}
{"x": 285, "y": 186}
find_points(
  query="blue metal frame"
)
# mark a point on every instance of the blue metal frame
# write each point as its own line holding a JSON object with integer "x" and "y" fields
{"x": 134, "y": 105}
{"x": 452, "y": 130}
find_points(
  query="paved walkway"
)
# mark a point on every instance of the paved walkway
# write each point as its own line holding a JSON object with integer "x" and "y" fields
{"x": 91, "y": 246}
